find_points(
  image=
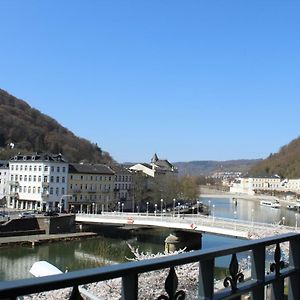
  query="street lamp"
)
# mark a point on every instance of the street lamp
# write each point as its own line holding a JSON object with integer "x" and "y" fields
{"x": 234, "y": 220}
{"x": 174, "y": 200}
{"x": 213, "y": 212}
{"x": 147, "y": 203}
{"x": 283, "y": 219}
{"x": 178, "y": 209}
{"x": 198, "y": 207}
{"x": 119, "y": 207}
{"x": 93, "y": 207}
{"x": 161, "y": 207}
{"x": 155, "y": 205}
{"x": 122, "y": 208}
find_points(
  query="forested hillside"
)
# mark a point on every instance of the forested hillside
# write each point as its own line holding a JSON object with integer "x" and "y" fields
{"x": 285, "y": 163}
{"x": 31, "y": 131}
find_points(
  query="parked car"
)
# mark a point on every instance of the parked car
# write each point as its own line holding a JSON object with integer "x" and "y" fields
{"x": 51, "y": 213}
{"x": 26, "y": 215}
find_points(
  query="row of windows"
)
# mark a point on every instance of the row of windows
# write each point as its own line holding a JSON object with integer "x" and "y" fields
{"x": 123, "y": 178}
{"x": 91, "y": 187}
{"x": 90, "y": 177}
{"x": 35, "y": 178}
{"x": 33, "y": 190}
{"x": 122, "y": 186}
{"x": 92, "y": 197}
{"x": 37, "y": 168}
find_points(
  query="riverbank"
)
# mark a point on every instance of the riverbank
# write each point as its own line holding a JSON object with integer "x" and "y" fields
{"x": 214, "y": 193}
{"x": 43, "y": 238}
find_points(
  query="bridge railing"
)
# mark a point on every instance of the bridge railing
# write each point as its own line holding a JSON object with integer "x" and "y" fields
{"x": 234, "y": 285}
{"x": 198, "y": 220}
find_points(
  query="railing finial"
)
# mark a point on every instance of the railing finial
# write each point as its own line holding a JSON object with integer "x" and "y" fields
{"x": 278, "y": 264}
{"x": 235, "y": 277}
{"x": 171, "y": 285}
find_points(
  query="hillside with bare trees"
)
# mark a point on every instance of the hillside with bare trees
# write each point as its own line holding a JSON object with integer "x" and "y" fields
{"x": 25, "y": 129}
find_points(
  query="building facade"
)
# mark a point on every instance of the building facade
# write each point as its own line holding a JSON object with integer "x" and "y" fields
{"x": 91, "y": 187}
{"x": 123, "y": 187}
{"x": 37, "y": 182}
{"x": 4, "y": 177}
{"x": 157, "y": 167}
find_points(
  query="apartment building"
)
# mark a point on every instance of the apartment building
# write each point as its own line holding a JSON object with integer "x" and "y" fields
{"x": 123, "y": 187}
{"x": 37, "y": 182}
{"x": 91, "y": 187}
{"x": 4, "y": 177}
{"x": 248, "y": 185}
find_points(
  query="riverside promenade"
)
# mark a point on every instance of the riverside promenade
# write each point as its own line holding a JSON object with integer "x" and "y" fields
{"x": 43, "y": 238}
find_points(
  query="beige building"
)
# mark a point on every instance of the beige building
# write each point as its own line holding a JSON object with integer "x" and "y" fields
{"x": 91, "y": 187}
{"x": 248, "y": 185}
{"x": 123, "y": 187}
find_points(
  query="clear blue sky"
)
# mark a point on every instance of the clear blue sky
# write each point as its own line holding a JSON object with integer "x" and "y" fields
{"x": 190, "y": 80}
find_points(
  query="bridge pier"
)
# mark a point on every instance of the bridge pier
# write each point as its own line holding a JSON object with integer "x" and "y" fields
{"x": 183, "y": 239}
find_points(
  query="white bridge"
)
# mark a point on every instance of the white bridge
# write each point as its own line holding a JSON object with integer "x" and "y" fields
{"x": 196, "y": 223}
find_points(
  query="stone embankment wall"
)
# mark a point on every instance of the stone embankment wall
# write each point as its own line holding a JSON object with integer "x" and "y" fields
{"x": 40, "y": 224}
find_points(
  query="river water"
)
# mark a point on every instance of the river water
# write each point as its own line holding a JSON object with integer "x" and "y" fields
{"x": 15, "y": 262}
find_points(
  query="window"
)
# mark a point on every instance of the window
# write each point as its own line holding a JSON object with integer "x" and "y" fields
{"x": 71, "y": 177}
{"x": 12, "y": 167}
{"x": 20, "y": 189}
{"x": 62, "y": 190}
{"x": 16, "y": 177}
{"x": 25, "y": 189}
{"x": 45, "y": 178}
{"x": 12, "y": 177}
{"x": 56, "y": 191}
{"x": 52, "y": 169}
{"x": 58, "y": 169}
{"x": 29, "y": 189}
{"x": 34, "y": 178}
{"x": 51, "y": 191}
{"x": 39, "y": 189}
{"x": 34, "y": 168}
{"x": 63, "y": 179}
{"x": 40, "y": 168}
{"x": 64, "y": 169}
{"x": 29, "y": 178}
{"x": 39, "y": 178}
{"x": 21, "y": 177}
{"x": 33, "y": 190}
{"x": 25, "y": 177}
{"x": 21, "y": 168}
{"x": 17, "y": 167}
{"x": 46, "y": 168}
{"x": 57, "y": 179}
{"x": 25, "y": 168}
{"x": 30, "y": 168}
{"x": 51, "y": 179}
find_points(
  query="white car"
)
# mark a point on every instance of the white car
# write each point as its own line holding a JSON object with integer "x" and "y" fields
{"x": 26, "y": 215}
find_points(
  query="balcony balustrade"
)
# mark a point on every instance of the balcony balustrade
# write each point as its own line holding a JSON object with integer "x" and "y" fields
{"x": 235, "y": 284}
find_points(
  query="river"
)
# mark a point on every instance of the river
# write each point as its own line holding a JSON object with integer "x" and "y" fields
{"x": 15, "y": 262}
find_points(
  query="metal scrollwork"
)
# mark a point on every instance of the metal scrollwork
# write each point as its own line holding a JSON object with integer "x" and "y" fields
{"x": 278, "y": 264}
{"x": 235, "y": 275}
{"x": 171, "y": 285}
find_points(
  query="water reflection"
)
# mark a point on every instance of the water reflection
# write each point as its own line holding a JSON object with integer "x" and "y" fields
{"x": 15, "y": 262}
{"x": 250, "y": 210}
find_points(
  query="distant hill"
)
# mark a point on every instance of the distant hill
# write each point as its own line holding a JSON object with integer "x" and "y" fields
{"x": 25, "y": 129}
{"x": 285, "y": 163}
{"x": 206, "y": 168}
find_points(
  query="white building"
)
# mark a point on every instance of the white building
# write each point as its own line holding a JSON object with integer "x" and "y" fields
{"x": 38, "y": 182}
{"x": 248, "y": 185}
{"x": 293, "y": 185}
{"x": 4, "y": 177}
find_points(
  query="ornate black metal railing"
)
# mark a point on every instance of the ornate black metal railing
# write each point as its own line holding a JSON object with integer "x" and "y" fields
{"x": 234, "y": 285}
